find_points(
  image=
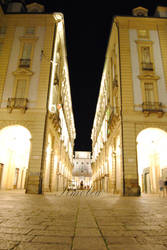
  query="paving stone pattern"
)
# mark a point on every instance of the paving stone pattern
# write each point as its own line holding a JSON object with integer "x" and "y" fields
{"x": 51, "y": 221}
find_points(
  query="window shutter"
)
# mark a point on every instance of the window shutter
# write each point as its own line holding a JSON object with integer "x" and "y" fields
{"x": 20, "y": 89}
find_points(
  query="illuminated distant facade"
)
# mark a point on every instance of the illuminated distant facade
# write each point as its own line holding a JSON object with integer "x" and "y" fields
{"x": 82, "y": 171}
{"x": 37, "y": 130}
{"x": 129, "y": 135}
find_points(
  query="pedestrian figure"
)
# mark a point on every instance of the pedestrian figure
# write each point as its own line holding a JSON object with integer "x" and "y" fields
{"x": 165, "y": 187}
{"x": 161, "y": 187}
{"x": 81, "y": 185}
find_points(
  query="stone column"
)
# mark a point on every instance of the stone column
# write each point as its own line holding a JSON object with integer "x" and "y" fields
{"x": 130, "y": 169}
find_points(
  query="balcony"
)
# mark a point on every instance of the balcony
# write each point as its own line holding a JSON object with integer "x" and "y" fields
{"x": 24, "y": 63}
{"x": 113, "y": 118}
{"x": 114, "y": 83}
{"x": 54, "y": 117}
{"x": 17, "y": 103}
{"x": 152, "y": 107}
{"x": 147, "y": 66}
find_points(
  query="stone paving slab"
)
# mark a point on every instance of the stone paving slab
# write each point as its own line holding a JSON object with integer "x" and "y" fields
{"x": 92, "y": 243}
{"x": 36, "y": 246}
{"x": 4, "y": 244}
{"x": 104, "y": 222}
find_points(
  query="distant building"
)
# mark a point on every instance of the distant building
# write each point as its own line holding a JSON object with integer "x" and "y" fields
{"x": 129, "y": 135}
{"x": 82, "y": 171}
{"x": 37, "y": 128}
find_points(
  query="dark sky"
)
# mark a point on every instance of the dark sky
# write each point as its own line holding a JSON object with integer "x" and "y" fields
{"x": 87, "y": 33}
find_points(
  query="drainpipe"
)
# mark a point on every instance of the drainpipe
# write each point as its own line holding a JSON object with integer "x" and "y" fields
{"x": 40, "y": 191}
{"x": 121, "y": 115}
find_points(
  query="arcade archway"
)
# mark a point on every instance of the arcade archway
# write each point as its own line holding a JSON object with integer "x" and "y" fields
{"x": 14, "y": 156}
{"x": 152, "y": 159}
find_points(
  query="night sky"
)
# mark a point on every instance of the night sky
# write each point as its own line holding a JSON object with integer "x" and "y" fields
{"x": 87, "y": 30}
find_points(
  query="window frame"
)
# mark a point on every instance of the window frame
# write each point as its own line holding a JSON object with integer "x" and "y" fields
{"x": 23, "y": 41}
{"x": 140, "y": 46}
{"x": 155, "y": 90}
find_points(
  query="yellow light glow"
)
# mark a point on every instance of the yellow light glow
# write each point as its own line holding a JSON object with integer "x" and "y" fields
{"x": 14, "y": 152}
{"x": 151, "y": 152}
{"x": 110, "y": 158}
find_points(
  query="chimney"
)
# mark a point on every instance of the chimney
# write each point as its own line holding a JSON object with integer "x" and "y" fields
{"x": 140, "y": 11}
{"x": 161, "y": 11}
{"x": 16, "y": 6}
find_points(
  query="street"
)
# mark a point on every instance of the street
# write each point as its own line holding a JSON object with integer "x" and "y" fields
{"x": 86, "y": 222}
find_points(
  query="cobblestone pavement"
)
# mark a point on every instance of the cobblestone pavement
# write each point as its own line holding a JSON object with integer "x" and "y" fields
{"x": 92, "y": 222}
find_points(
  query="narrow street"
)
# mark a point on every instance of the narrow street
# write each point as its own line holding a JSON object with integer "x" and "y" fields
{"x": 86, "y": 222}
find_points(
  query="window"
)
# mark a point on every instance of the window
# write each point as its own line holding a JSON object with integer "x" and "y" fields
{"x": 20, "y": 89}
{"x": 146, "y": 58}
{"x": 145, "y": 52}
{"x": 149, "y": 92}
{"x": 30, "y": 31}
{"x": 143, "y": 34}
{"x": 26, "y": 55}
{"x": 18, "y": 100}
{"x": 150, "y": 98}
{"x": 27, "y": 45}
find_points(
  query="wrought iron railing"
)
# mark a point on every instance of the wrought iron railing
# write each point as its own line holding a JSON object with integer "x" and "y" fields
{"x": 25, "y": 63}
{"x": 114, "y": 83}
{"x": 152, "y": 107}
{"x": 147, "y": 66}
{"x": 17, "y": 103}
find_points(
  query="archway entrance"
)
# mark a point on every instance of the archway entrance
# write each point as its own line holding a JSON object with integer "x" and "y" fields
{"x": 14, "y": 156}
{"x": 152, "y": 159}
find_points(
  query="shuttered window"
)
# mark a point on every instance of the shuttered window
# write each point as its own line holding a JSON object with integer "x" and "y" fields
{"x": 20, "y": 89}
{"x": 149, "y": 92}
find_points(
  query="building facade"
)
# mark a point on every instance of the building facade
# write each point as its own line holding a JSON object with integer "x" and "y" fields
{"x": 129, "y": 134}
{"x": 37, "y": 130}
{"x": 82, "y": 171}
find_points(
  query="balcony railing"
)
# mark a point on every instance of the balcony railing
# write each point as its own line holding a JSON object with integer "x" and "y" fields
{"x": 147, "y": 66}
{"x": 24, "y": 63}
{"x": 152, "y": 107}
{"x": 54, "y": 116}
{"x": 17, "y": 103}
{"x": 114, "y": 83}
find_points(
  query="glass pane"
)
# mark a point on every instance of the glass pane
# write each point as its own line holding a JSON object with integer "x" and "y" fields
{"x": 27, "y": 51}
{"x": 149, "y": 93}
{"x": 20, "y": 89}
{"x": 30, "y": 31}
{"x": 146, "y": 55}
